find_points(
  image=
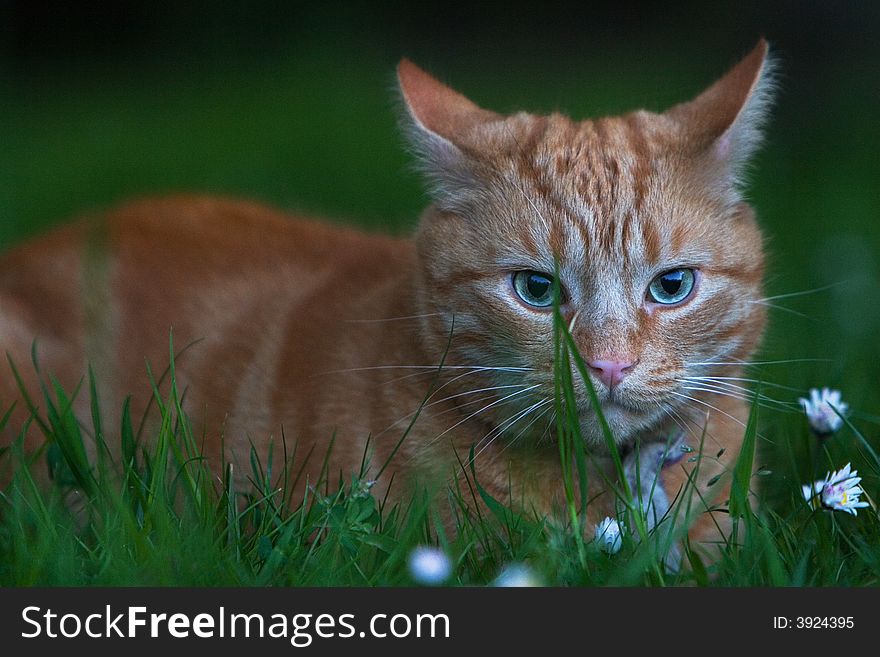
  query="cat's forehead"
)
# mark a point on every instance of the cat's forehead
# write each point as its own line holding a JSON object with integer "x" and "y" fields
{"x": 608, "y": 163}
{"x": 603, "y": 191}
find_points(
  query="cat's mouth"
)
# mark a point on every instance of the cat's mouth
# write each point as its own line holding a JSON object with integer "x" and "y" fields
{"x": 619, "y": 408}
{"x": 614, "y": 409}
{"x": 612, "y": 400}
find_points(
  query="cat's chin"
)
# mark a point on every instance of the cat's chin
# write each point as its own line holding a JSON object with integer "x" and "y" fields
{"x": 623, "y": 421}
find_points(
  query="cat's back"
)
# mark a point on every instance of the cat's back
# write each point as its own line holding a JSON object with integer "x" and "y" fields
{"x": 227, "y": 233}
{"x": 154, "y": 249}
{"x": 111, "y": 288}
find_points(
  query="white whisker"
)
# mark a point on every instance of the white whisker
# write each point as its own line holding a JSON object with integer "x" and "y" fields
{"x": 453, "y": 380}
{"x": 457, "y": 407}
{"x": 528, "y": 426}
{"x": 436, "y": 368}
{"x": 758, "y": 382}
{"x": 710, "y": 382}
{"x": 471, "y": 392}
{"x": 734, "y": 394}
{"x": 516, "y": 437}
{"x": 714, "y": 408}
{"x": 488, "y": 406}
{"x": 509, "y": 422}
{"x": 766, "y": 402}
{"x": 762, "y": 362}
{"x": 700, "y": 426}
{"x": 775, "y": 306}
{"x": 676, "y": 419}
{"x": 550, "y": 422}
{"x": 504, "y": 426}
{"x": 392, "y": 319}
{"x": 804, "y": 292}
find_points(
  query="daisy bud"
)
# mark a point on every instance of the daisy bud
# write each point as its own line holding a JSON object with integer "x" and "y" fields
{"x": 820, "y": 410}
{"x": 608, "y": 534}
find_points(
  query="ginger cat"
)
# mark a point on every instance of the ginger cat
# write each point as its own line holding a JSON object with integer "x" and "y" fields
{"x": 328, "y": 331}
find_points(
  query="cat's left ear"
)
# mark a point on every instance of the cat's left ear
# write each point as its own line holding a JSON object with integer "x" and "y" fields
{"x": 725, "y": 122}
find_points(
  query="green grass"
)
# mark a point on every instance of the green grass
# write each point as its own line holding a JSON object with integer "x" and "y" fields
{"x": 318, "y": 133}
{"x": 148, "y": 511}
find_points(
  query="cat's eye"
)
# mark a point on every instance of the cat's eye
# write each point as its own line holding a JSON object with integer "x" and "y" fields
{"x": 534, "y": 288}
{"x": 672, "y": 287}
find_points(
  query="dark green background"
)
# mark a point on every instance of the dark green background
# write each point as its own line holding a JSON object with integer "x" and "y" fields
{"x": 294, "y": 104}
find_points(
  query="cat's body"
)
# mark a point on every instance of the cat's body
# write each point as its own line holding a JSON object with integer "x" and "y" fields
{"x": 330, "y": 333}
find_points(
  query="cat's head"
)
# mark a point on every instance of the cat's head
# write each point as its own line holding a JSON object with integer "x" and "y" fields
{"x": 659, "y": 258}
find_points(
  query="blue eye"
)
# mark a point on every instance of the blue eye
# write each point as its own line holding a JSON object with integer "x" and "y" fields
{"x": 672, "y": 287}
{"x": 533, "y": 287}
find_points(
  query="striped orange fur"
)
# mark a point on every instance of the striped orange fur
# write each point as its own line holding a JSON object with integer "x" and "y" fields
{"x": 290, "y": 324}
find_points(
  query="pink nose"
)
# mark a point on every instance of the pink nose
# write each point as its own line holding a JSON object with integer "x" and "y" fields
{"x": 611, "y": 372}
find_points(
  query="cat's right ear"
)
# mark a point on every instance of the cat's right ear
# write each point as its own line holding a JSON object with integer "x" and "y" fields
{"x": 442, "y": 127}
{"x": 725, "y": 122}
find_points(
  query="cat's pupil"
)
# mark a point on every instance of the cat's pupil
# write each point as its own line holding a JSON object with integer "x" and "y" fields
{"x": 671, "y": 282}
{"x": 538, "y": 285}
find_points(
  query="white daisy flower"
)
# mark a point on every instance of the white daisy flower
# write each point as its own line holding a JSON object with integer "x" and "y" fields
{"x": 839, "y": 491}
{"x": 820, "y": 409}
{"x": 517, "y": 575}
{"x": 608, "y": 533}
{"x": 429, "y": 565}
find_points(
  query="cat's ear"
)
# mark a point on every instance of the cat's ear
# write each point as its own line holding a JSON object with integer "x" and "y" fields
{"x": 442, "y": 127}
{"x": 726, "y": 121}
